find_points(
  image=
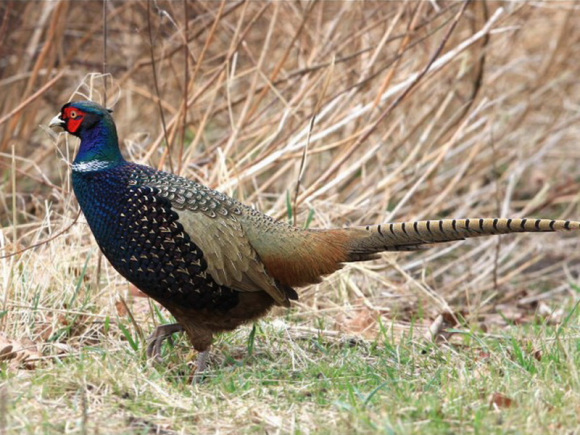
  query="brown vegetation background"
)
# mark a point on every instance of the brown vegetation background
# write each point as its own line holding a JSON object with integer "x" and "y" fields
{"x": 347, "y": 113}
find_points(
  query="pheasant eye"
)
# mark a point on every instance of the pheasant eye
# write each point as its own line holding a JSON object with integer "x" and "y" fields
{"x": 72, "y": 114}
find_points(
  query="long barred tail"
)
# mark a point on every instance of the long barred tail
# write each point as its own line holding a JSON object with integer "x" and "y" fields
{"x": 409, "y": 236}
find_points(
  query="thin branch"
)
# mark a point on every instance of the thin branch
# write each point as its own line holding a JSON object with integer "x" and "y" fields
{"x": 156, "y": 82}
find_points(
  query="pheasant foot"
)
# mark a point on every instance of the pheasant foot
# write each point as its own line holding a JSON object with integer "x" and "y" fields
{"x": 156, "y": 339}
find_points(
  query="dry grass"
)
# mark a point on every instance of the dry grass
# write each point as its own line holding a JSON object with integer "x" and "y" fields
{"x": 346, "y": 113}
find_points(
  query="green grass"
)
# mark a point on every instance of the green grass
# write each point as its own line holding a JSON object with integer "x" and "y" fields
{"x": 289, "y": 384}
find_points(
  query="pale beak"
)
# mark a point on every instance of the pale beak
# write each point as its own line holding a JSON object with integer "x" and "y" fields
{"x": 56, "y": 122}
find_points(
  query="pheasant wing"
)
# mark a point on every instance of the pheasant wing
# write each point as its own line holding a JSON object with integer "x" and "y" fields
{"x": 213, "y": 222}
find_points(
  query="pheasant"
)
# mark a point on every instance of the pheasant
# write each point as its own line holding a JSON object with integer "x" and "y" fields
{"x": 212, "y": 261}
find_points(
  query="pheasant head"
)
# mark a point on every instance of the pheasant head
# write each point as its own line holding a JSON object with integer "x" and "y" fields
{"x": 94, "y": 125}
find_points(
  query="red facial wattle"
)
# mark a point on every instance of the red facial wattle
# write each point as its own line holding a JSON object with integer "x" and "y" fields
{"x": 74, "y": 119}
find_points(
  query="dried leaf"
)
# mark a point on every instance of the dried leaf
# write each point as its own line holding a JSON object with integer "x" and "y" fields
{"x": 134, "y": 291}
{"x": 44, "y": 331}
{"x": 6, "y": 352}
{"x": 362, "y": 321}
{"x": 499, "y": 400}
{"x": 121, "y": 308}
{"x": 63, "y": 320}
{"x": 19, "y": 354}
{"x": 483, "y": 355}
{"x": 437, "y": 331}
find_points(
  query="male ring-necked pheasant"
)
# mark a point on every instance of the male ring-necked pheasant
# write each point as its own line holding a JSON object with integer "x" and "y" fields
{"x": 213, "y": 262}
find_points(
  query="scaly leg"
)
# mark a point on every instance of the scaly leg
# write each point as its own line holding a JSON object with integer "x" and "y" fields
{"x": 156, "y": 339}
{"x": 201, "y": 362}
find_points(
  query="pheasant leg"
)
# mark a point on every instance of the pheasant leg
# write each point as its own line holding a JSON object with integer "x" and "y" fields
{"x": 156, "y": 339}
{"x": 201, "y": 363}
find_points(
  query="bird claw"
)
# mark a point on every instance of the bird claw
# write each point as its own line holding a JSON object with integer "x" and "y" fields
{"x": 164, "y": 332}
{"x": 156, "y": 340}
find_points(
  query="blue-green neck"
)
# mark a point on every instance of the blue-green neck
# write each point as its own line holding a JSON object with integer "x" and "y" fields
{"x": 100, "y": 143}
